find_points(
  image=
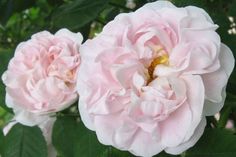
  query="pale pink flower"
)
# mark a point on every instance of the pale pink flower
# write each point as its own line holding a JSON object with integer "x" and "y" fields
{"x": 41, "y": 77}
{"x": 149, "y": 79}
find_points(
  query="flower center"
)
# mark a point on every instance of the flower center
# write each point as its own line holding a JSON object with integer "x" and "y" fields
{"x": 162, "y": 58}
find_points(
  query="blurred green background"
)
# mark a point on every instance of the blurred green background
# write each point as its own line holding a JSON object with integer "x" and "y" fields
{"x": 19, "y": 19}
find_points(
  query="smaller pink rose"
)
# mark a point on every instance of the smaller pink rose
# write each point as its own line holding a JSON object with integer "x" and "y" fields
{"x": 41, "y": 77}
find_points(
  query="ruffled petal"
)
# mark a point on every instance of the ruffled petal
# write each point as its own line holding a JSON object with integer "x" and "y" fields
{"x": 185, "y": 119}
{"x": 191, "y": 142}
{"x": 76, "y": 37}
{"x": 215, "y": 83}
{"x": 158, "y": 5}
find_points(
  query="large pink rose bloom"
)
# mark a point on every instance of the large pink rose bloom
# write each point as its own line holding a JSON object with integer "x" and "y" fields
{"x": 149, "y": 79}
{"x": 41, "y": 77}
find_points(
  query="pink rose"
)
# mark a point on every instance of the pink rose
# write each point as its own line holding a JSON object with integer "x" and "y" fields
{"x": 41, "y": 77}
{"x": 149, "y": 79}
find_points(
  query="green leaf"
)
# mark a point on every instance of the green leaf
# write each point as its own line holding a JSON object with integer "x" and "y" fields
{"x": 140, "y": 3}
{"x": 7, "y": 8}
{"x": 65, "y": 135}
{"x": 183, "y": 3}
{"x": 231, "y": 98}
{"x": 77, "y": 14}
{"x": 224, "y": 116}
{"x": 113, "y": 152}
{"x": 72, "y": 139}
{"x": 1, "y": 142}
{"x": 163, "y": 154}
{"x": 120, "y": 2}
{"x": 109, "y": 13}
{"x": 232, "y": 5}
{"x": 55, "y": 2}
{"x": 214, "y": 143}
{"x": 24, "y": 141}
{"x": 5, "y": 55}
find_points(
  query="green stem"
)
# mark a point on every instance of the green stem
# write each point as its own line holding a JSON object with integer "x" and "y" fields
{"x": 224, "y": 115}
{"x": 100, "y": 21}
{"x": 213, "y": 121}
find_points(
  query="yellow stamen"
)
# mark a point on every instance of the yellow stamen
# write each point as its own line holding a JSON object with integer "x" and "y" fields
{"x": 70, "y": 74}
{"x": 163, "y": 59}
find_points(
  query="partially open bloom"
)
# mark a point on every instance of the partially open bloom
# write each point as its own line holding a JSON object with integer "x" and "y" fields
{"x": 41, "y": 77}
{"x": 148, "y": 80}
